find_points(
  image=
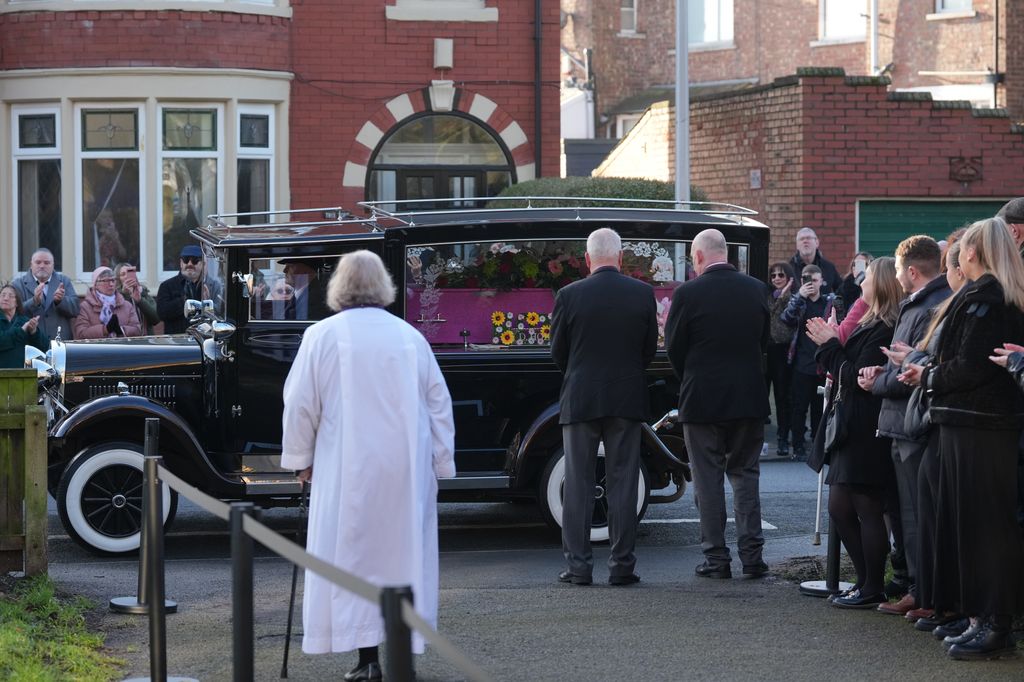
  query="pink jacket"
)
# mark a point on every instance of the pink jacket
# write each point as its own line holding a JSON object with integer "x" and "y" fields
{"x": 88, "y": 326}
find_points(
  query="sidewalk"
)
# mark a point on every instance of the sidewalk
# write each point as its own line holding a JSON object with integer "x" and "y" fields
{"x": 504, "y": 609}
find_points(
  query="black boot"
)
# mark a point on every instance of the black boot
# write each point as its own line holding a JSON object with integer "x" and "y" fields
{"x": 783, "y": 449}
{"x": 964, "y": 637}
{"x": 994, "y": 639}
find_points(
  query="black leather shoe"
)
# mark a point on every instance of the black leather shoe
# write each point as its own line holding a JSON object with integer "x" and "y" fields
{"x": 954, "y": 628}
{"x": 758, "y": 570}
{"x": 845, "y": 593}
{"x": 858, "y": 600}
{"x": 783, "y": 448}
{"x": 568, "y": 577}
{"x": 706, "y": 570}
{"x": 966, "y": 636}
{"x": 621, "y": 580}
{"x": 370, "y": 671}
{"x": 929, "y": 624}
{"x": 991, "y": 642}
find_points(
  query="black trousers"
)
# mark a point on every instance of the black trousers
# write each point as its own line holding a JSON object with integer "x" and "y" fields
{"x": 927, "y": 501}
{"x": 803, "y": 393}
{"x": 777, "y": 378}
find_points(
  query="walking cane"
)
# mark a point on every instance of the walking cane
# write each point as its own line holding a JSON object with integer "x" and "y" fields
{"x": 304, "y": 509}
{"x": 821, "y": 474}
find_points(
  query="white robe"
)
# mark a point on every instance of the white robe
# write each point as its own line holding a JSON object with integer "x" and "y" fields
{"x": 365, "y": 403}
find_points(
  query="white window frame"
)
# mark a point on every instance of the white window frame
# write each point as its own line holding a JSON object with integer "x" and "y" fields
{"x": 943, "y": 7}
{"x": 622, "y": 119}
{"x": 625, "y": 12}
{"x": 825, "y": 39}
{"x": 162, "y": 154}
{"x": 18, "y": 153}
{"x": 269, "y": 152}
{"x": 81, "y": 155}
{"x": 719, "y": 41}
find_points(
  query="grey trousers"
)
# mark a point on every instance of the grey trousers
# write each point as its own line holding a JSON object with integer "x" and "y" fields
{"x": 622, "y": 438}
{"x": 906, "y": 459}
{"x": 730, "y": 449}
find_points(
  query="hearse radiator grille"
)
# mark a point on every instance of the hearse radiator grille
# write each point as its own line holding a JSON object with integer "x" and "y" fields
{"x": 165, "y": 393}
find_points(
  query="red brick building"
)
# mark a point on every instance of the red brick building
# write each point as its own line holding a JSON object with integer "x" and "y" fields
{"x": 861, "y": 164}
{"x": 125, "y": 122}
{"x": 946, "y": 47}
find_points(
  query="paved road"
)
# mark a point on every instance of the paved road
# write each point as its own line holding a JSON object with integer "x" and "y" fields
{"x": 501, "y": 605}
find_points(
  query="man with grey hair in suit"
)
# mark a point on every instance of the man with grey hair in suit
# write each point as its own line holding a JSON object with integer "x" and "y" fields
{"x": 716, "y": 335}
{"x": 49, "y": 295}
{"x": 604, "y": 333}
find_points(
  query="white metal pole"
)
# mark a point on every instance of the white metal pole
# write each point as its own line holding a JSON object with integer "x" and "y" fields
{"x": 682, "y": 105}
{"x": 876, "y": 64}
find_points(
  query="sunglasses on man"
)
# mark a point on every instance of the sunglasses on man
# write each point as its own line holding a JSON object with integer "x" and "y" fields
{"x": 191, "y": 260}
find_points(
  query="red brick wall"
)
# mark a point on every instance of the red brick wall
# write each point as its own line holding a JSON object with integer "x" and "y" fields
{"x": 822, "y": 141}
{"x": 350, "y": 61}
{"x": 1013, "y": 65}
{"x": 32, "y": 40}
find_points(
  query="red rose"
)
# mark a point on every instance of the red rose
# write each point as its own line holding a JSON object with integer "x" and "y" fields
{"x": 505, "y": 267}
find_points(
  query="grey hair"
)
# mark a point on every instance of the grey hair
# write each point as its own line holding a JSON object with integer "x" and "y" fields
{"x": 804, "y": 230}
{"x": 41, "y": 249}
{"x": 360, "y": 280}
{"x": 604, "y": 244}
{"x": 711, "y": 241}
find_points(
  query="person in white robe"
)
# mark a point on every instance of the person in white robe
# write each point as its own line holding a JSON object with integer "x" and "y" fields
{"x": 368, "y": 420}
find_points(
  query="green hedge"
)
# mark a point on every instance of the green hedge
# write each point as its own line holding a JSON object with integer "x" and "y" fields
{"x": 613, "y": 188}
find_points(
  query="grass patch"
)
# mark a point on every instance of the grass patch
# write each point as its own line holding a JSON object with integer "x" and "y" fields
{"x": 43, "y": 636}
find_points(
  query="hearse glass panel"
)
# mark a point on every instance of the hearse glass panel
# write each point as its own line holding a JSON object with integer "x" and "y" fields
{"x": 497, "y": 295}
{"x": 289, "y": 289}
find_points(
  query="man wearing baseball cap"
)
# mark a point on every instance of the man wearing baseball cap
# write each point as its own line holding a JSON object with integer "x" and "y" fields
{"x": 190, "y": 283}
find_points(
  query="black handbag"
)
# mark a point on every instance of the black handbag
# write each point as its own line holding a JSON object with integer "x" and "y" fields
{"x": 836, "y": 430}
{"x": 917, "y": 421}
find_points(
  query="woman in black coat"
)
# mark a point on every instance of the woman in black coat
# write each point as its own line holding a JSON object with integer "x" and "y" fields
{"x": 860, "y": 473}
{"x": 979, "y": 412}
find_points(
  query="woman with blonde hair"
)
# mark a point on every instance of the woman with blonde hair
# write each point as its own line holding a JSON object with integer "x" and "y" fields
{"x": 860, "y": 473}
{"x": 979, "y": 412}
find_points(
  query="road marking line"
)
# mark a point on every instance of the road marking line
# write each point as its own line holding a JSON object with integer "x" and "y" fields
{"x": 764, "y": 524}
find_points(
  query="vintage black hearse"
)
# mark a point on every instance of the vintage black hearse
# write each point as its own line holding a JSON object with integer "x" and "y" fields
{"x": 478, "y": 283}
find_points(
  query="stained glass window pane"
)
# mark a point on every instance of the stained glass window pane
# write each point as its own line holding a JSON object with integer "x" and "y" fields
{"x": 444, "y": 141}
{"x": 110, "y": 129}
{"x": 190, "y": 129}
{"x": 254, "y": 130}
{"x": 37, "y": 130}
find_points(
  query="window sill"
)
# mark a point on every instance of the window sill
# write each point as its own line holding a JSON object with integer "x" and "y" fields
{"x": 712, "y": 47}
{"x": 466, "y": 14}
{"x": 630, "y": 34}
{"x": 829, "y": 42}
{"x": 943, "y": 16}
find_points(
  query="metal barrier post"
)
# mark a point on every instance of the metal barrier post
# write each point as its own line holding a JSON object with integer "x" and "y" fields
{"x": 397, "y": 634}
{"x": 139, "y": 605}
{"x": 241, "y": 592}
{"x": 153, "y": 551}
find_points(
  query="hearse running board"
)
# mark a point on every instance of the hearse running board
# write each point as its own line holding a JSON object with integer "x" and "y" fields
{"x": 271, "y": 484}
{"x": 474, "y": 481}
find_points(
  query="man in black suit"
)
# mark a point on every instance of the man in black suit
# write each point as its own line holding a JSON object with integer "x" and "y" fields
{"x": 716, "y": 334}
{"x": 604, "y": 332}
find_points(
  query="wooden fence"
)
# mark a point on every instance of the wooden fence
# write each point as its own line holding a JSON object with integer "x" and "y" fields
{"x": 22, "y": 474}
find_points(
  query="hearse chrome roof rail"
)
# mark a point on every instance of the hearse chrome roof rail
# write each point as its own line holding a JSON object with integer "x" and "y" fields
{"x": 390, "y": 208}
{"x": 332, "y": 215}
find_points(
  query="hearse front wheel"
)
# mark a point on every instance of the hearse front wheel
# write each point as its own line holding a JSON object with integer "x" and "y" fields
{"x": 550, "y": 495}
{"x": 100, "y": 498}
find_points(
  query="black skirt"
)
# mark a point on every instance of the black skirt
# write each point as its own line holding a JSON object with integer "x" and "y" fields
{"x": 978, "y": 546}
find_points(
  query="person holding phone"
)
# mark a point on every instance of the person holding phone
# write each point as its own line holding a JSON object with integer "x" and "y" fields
{"x": 849, "y": 290}
{"x": 104, "y": 312}
{"x": 807, "y": 303}
{"x": 138, "y": 295}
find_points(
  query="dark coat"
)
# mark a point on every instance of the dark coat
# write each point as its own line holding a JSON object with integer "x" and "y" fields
{"x": 780, "y": 331}
{"x": 829, "y": 274}
{"x": 51, "y": 316}
{"x": 171, "y": 297}
{"x": 796, "y": 315}
{"x": 864, "y": 458}
{"x": 13, "y": 340}
{"x": 604, "y": 333}
{"x": 911, "y": 325}
{"x": 966, "y": 388}
{"x": 716, "y": 334}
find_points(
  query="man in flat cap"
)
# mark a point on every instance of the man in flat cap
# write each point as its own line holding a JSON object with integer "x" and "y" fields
{"x": 1013, "y": 213}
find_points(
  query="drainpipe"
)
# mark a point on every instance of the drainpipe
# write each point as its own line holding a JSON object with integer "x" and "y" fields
{"x": 875, "y": 66}
{"x": 538, "y": 136}
{"x": 995, "y": 58}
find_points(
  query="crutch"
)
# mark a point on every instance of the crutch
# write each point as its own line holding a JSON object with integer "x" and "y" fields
{"x": 304, "y": 509}
{"x": 821, "y": 474}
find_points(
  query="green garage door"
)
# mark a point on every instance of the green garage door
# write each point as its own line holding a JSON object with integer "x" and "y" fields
{"x": 884, "y": 224}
